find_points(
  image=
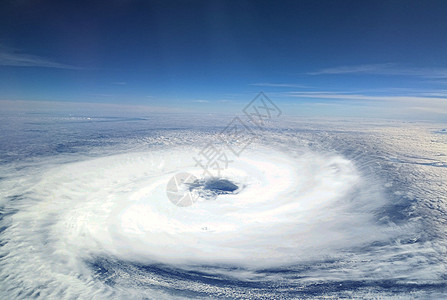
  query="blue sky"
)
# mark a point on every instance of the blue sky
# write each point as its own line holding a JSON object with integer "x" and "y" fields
{"x": 328, "y": 58}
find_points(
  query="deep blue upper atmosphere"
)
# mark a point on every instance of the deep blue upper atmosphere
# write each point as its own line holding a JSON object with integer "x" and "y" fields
{"x": 381, "y": 59}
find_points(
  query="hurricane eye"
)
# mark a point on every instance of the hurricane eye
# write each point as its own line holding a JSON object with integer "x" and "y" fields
{"x": 210, "y": 188}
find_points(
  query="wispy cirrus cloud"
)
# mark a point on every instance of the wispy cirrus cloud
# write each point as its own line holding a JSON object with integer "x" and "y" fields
{"x": 267, "y": 84}
{"x": 384, "y": 69}
{"x": 429, "y": 97}
{"x": 418, "y": 106}
{"x": 14, "y": 58}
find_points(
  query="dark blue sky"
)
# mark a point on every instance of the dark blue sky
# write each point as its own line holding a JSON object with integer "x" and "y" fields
{"x": 208, "y": 54}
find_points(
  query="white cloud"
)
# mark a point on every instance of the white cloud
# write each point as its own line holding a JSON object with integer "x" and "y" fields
{"x": 10, "y": 57}
{"x": 266, "y": 84}
{"x": 325, "y": 95}
{"x": 384, "y": 69}
{"x": 399, "y": 103}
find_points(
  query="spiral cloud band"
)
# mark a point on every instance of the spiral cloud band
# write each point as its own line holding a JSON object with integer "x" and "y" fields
{"x": 289, "y": 212}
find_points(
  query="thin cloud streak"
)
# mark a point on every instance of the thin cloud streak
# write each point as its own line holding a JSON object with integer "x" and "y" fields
{"x": 384, "y": 69}
{"x": 267, "y": 84}
{"x": 13, "y": 59}
{"x": 324, "y": 95}
{"x": 417, "y": 106}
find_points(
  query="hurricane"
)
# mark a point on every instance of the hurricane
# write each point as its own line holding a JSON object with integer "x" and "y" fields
{"x": 307, "y": 210}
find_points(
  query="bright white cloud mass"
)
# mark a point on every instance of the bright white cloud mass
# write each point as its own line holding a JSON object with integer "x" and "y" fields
{"x": 93, "y": 217}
